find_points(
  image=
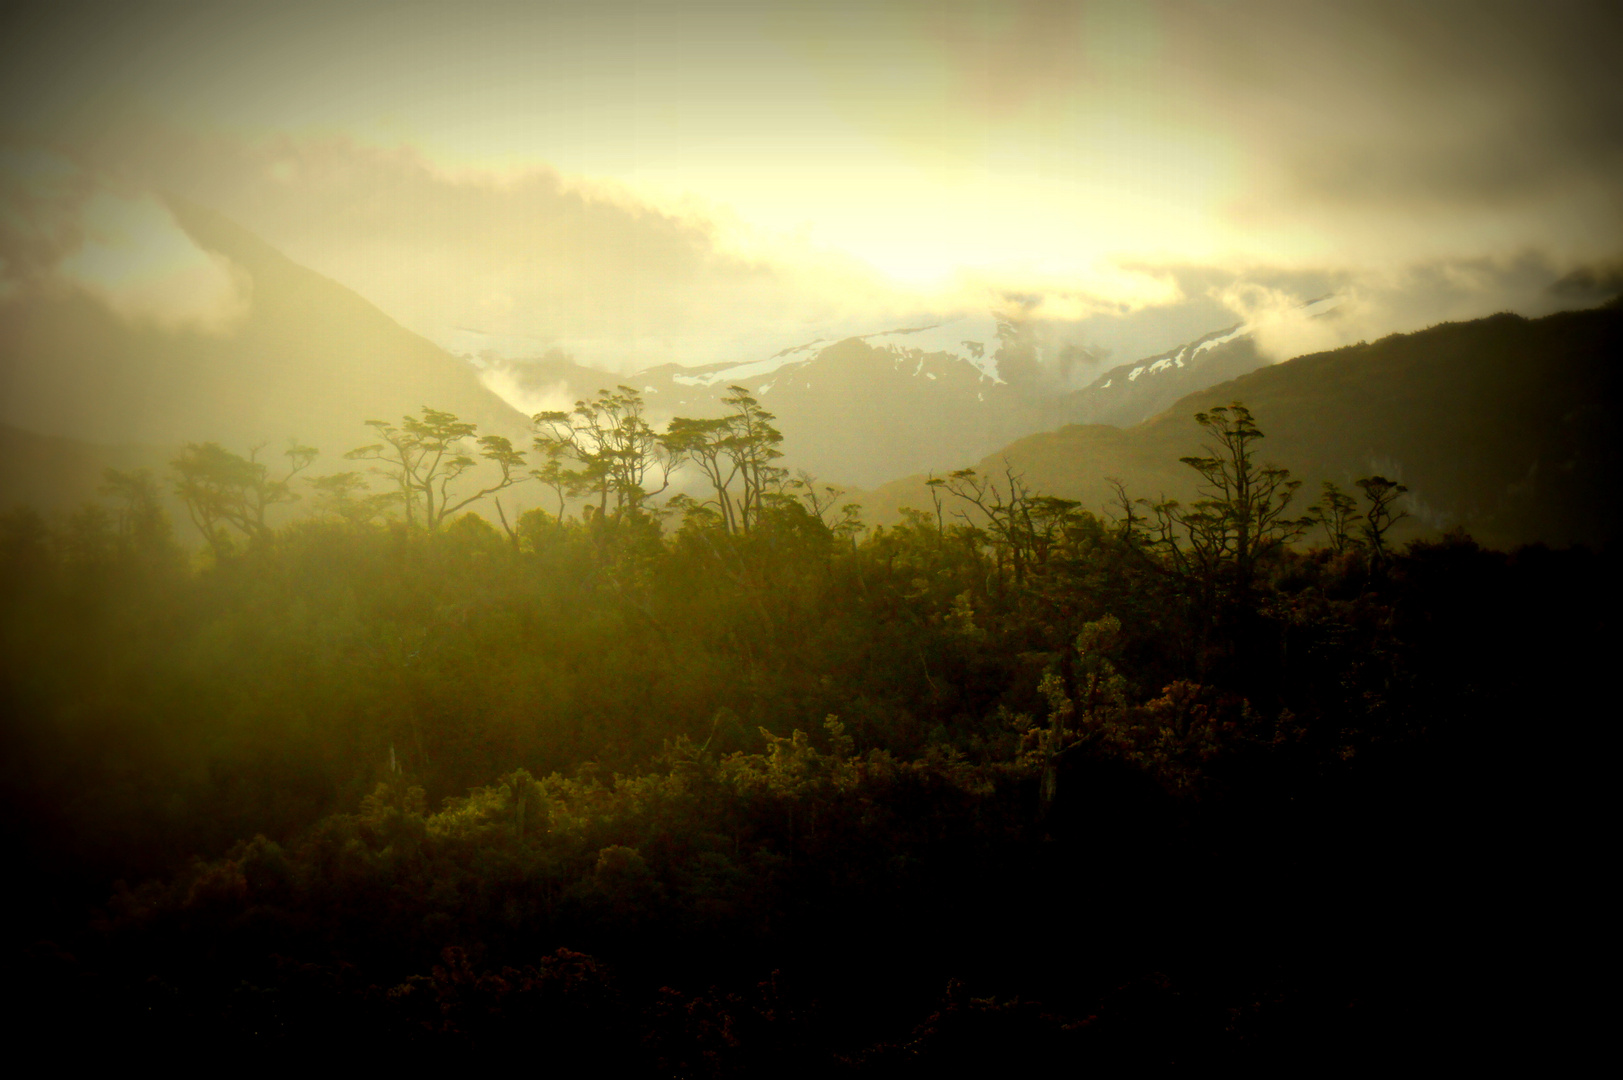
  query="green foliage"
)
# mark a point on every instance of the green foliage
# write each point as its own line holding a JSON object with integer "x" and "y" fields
{"x": 700, "y": 747}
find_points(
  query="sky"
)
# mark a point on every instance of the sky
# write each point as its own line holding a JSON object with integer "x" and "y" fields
{"x": 639, "y": 183}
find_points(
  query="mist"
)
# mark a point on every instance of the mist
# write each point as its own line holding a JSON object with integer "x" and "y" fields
{"x": 876, "y": 539}
{"x": 604, "y": 204}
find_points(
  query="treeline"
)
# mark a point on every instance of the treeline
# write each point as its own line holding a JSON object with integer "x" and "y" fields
{"x": 1145, "y": 785}
{"x": 605, "y": 452}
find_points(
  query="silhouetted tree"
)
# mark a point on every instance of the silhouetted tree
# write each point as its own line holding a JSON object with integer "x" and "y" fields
{"x": 142, "y": 525}
{"x": 1334, "y": 512}
{"x": 1242, "y": 517}
{"x": 705, "y": 443}
{"x": 1021, "y": 525}
{"x": 617, "y": 452}
{"x": 752, "y": 445}
{"x": 1381, "y": 514}
{"x": 739, "y": 447}
{"x": 348, "y": 497}
{"x": 425, "y": 454}
{"x": 223, "y": 489}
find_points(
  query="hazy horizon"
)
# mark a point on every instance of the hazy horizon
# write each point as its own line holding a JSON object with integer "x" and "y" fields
{"x": 632, "y": 185}
{"x": 948, "y": 680}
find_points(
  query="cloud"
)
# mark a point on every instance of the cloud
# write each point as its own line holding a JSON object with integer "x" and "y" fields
{"x": 65, "y": 229}
{"x": 1106, "y": 289}
{"x": 1366, "y": 305}
{"x": 42, "y": 196}
{"x": 139, "y": 262}
{"x": 528, "y": 396}
{"x": 1279, "y": 322}
{"x": 1071, "y": 155}
{"x": 1361, "y": 130}
{"x": 531, "y": 258}
{"x": 1592, "y": 284}
{"x": 1432, "y": 130}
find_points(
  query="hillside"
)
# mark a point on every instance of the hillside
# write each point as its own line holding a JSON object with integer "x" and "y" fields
{"x": 863, "y": 409}
{"x": 1133, "y": 392}
{"x": 311, "y": 359}
{"x": 860, "y": 410}
{"x": 51, "y": 473}
{"x": 1504, "y": 426}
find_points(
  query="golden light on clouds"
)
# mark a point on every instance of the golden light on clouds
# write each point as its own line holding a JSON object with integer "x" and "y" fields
{"x": 643, "y": 181}
{"x": 139, "y": 261}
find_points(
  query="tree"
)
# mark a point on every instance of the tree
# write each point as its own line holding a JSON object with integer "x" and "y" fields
{"x": 1245, "y": 505}
{"x": 705, "y": 444}
{"x": 752, "y": 445}
{"x": 425, "y": 454}
{"x": 555, "y": 475}
{"x": 1380, "y": 517}
{"x": 1334, "y": 512}
{"x": 1023, "y": 527}
{"x": 142, "y": 526}
{"x": 615, "y": 449}
{"x": 224, "y": 489}
{"x": 740, "y": 447}
{"x": 25, "y": 545}
{"x": 1241, "y": 518}
{"x": 347, "y": 496}
{"x": 823, "y": 503}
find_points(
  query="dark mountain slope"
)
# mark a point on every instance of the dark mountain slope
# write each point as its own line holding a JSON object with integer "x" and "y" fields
{"x": 1133, "y": 392}
{"x": 862, "y": 409}
{"x": 311, "y": 359}
{"x": 1505, "y": 426}
{"x": 859, "y": 410}
{"x": 52, "y": 473}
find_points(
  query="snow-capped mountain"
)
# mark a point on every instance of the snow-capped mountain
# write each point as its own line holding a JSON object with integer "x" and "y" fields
{"x": 858, "y": 410}
{"x": 1504, "y": 426}
{"x": 932, "y": 350}
{"x": 1136, "y": 391}
{"x": 865, "y": 409}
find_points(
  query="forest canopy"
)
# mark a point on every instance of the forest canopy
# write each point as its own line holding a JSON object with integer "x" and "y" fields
{"x": 726, "y": 781}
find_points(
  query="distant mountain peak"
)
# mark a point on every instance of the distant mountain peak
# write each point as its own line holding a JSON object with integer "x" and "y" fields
{"x": 1188, "y": 353}
{"x": 1502, "y": 425}
{"x": 974, "y": 340}
{"x": 1134, "y": 391}
{"x": 862, "y": 408}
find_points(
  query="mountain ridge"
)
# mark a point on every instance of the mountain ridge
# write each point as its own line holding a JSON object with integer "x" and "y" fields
{"x": 1487, "y": 439}
{"x": 310, "y": 359}
{"x": 861, "y": 408}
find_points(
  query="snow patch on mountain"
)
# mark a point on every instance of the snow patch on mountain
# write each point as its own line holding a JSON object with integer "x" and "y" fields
{"x": 1213, "y": 342}
{"x": 1182, "y": 355}
{"x": 973, "y": 339}
{"x": 735, "y": 373}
